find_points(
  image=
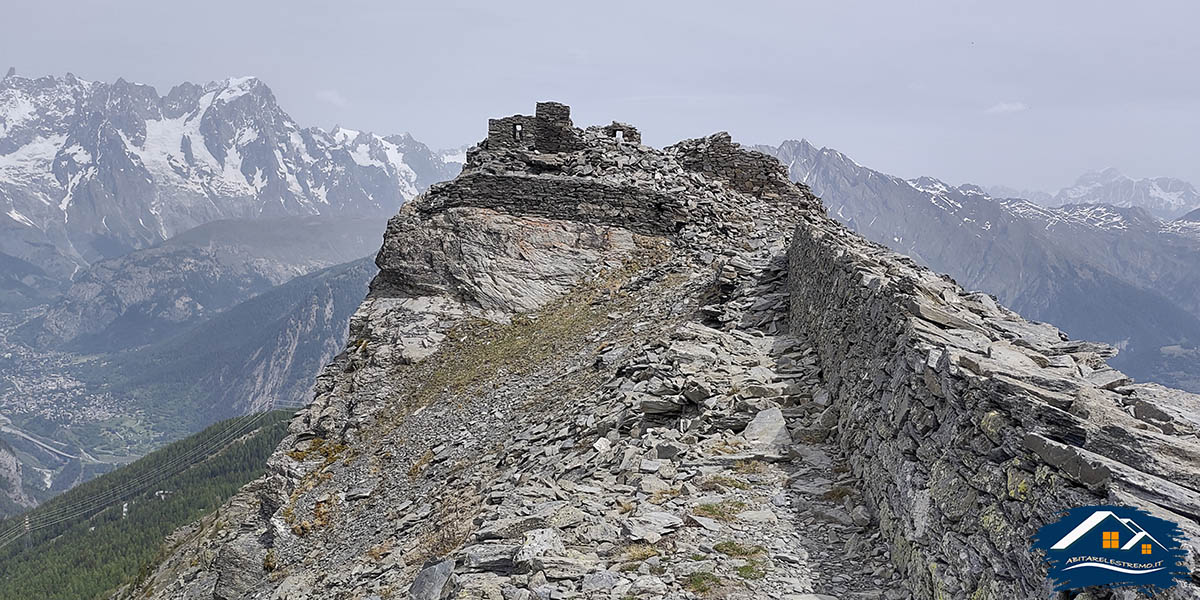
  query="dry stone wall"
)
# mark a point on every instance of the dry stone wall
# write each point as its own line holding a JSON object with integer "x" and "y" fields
{"x": 515, "y": 131}
{"x": 574, "y": 198}
{"x": 747, "y": 171}
{"x": 629, "y": 134}
{"x": 970, "y": 427}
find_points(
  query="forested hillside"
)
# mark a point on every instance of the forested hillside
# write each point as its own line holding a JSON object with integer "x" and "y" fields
{"x": 101, "y": 534}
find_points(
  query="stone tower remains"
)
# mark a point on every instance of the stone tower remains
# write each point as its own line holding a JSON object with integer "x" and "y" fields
{"x": 549, "y": 130}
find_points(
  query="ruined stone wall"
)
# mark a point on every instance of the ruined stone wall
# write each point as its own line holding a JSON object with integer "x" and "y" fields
{"x": 748, "y": 171}
{"x": 555, "y": 132}
{"x": 629, "y": 133}
{"x": 582, "y": 199}
{"x": 549, "y": 130}
{"x": 504, "y": 132}
{"x": 969, "y": 427}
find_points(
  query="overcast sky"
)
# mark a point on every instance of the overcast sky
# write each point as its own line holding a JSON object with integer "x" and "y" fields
{"x": 1021, "y": 93}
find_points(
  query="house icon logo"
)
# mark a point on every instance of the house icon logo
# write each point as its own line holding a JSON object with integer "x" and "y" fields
{"x": 1114, "y": 546}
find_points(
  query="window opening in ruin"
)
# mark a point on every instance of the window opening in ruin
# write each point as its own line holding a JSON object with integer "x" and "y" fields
{"x": 620, "y": 136}
{"x": 517, "y": 131}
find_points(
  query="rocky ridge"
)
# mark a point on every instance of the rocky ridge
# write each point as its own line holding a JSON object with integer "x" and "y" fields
{"x": 593, "y": 369}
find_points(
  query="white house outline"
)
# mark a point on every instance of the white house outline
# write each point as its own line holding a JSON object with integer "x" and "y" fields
{"x": 1095, "y": 519}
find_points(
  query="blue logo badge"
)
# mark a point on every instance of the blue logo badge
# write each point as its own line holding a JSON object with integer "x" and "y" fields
{"x": 1114, "y": 546}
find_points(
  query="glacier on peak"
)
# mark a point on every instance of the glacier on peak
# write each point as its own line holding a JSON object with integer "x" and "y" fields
{"x": 104, "y": 168}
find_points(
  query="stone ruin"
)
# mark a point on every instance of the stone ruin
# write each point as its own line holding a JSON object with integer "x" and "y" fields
{"x": 549, "y": 130}
{"x": 622, "y": 132}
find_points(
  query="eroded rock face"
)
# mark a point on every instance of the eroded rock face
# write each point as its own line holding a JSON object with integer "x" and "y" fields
{"x": 601, "y": 373}
{"x": 494, "y": 262}
{"x": 13, "y": 498}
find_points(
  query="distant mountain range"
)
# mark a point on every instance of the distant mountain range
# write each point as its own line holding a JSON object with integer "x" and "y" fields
{"x": 1113, "y": 274}
{"x": 1164, "y": 197}
{"x": 1035, "y": 196}
{"x": 91, "y": 171}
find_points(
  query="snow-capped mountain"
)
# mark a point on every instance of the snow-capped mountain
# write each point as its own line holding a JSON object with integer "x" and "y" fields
{"x": 1036, "y": 196}
{"x": 92, "y": 170}
{"x": 1116, "y": 274}
{"x": 1164, "y": 197}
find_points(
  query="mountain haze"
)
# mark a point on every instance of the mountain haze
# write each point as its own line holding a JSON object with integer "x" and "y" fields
{"x": 1163, "y": 197}
{"x": 92, "y": 170}
{"x": 1113, "y": 274}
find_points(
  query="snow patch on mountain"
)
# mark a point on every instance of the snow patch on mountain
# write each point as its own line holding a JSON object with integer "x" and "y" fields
{"x": 16, "y": 109}
{"x": 20, "y": 218}
{"x": 1164, "y": 197}
{"x": 939, "y": 192}
{"x": 32, "y": 160}
{"x": 101, "y": 169}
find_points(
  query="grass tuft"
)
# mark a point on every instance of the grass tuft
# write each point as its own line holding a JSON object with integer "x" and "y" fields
{"x": 726, "y": 510}
{"x": 701, "y": 582}
{"x": 732, "y": 548}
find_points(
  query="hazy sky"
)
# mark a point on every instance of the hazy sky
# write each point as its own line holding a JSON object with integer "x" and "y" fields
{"x": 1021, "y": 93}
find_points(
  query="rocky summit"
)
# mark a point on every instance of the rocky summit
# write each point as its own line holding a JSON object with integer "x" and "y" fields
{"x": 589, "y": 368}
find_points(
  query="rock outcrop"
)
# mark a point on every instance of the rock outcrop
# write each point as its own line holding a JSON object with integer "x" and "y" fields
{"x": 13, "y": 498}
{"x": 593, "y": 369}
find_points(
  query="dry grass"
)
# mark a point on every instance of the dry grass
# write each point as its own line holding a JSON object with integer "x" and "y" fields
{"x": 726, "y": 510}
{"x": 720, "y": 483}
{"x": 378, "y": 551}
{"x": 479, "y": 351}
{"x": 664, "y": 495}
{"x": 750, "y": 467}
{"x": 319, "y": 447}
{"x": 640, "y": 552}
{"x": 732, "y": 548}
{"x": 420, "y": 464}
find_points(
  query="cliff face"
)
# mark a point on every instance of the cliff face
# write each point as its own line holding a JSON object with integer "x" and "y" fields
{"x": 590, "y": 368}
{"x": 13, "y": 499}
